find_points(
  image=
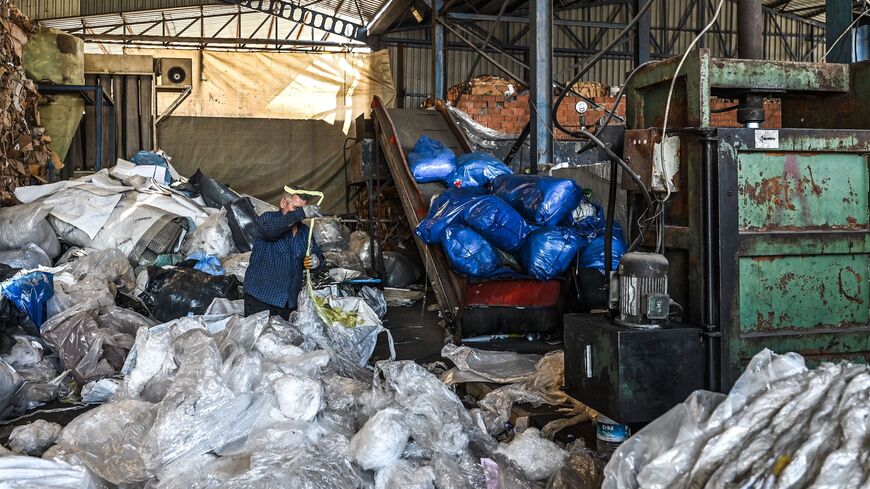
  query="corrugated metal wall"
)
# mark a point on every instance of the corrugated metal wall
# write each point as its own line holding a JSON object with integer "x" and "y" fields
{"x": 672, "y": 27}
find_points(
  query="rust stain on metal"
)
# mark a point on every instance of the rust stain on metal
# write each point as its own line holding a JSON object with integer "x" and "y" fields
{"x": 784, "y": 280}
{"x": 816, "y": 189}
{"x": 856, "y": 299}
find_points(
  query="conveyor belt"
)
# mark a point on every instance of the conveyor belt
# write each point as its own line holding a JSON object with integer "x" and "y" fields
{"x": 505, "y": 306}
{"x": 397, "y": 130}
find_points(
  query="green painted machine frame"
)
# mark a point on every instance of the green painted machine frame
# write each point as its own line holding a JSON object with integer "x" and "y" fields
{"x": 769, "y": 236}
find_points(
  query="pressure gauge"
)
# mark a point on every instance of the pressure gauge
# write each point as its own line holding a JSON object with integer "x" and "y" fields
{"x": 581, "y": 107}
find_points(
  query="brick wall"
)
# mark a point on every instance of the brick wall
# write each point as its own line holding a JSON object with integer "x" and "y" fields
{"x": 494, "y": 112}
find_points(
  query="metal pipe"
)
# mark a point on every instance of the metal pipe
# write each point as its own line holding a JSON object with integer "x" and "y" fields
{"x": 541, "y": 93}
{"x": 439, "y": 82}
{"x": 750, "y": 27}
{"x": 750, "y": 45}
{"x": 712, "y": 332}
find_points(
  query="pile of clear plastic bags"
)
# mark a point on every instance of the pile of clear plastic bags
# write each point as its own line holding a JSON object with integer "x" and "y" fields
{"x": 781, "y": 425}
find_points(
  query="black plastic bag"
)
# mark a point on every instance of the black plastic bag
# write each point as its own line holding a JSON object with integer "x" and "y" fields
{"x": 242, "y": 217}
{"x": 214, "y": 193}
{"x": 173, "y": 293}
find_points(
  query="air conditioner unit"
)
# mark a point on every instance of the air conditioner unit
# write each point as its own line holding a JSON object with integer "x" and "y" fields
{"x": 175, "y": 72}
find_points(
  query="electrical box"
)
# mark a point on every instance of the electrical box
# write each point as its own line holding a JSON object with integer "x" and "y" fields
{"x": 630, "y": 375}
{"x": 175, "y": 72}
{"x": 653, "y": 163}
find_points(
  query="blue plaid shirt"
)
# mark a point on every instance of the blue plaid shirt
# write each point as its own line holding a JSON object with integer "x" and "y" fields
{"x": 275, "y": 274}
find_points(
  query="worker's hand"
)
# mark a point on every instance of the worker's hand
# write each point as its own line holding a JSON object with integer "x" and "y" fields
{"x": 311, "y": 262}
{"x": 312, "y": 210}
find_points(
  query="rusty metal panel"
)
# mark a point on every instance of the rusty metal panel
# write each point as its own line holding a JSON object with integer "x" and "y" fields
{"x": 803, "y": 293}
{"x": 787, "y": 191}
{"x": 779, "y": 75}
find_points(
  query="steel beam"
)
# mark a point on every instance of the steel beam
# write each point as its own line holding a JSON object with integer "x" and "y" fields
{"x": 133, "y": 38}
{"x": 439, "y": 81}
{"x": 541, "y": 95}
{"x": 523, "y": 20}
{"x": 305, "y": 16}
{"x": 643, "y": 33}
{"x": 838, "y": 18}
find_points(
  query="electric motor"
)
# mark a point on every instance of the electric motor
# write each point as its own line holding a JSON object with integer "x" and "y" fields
{"x": 643, "y": 290}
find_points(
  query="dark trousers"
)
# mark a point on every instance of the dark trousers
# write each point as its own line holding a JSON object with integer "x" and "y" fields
{"x": 254, "y": 305}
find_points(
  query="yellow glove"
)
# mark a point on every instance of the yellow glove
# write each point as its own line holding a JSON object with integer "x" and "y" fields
{"x": 311, "y": 262}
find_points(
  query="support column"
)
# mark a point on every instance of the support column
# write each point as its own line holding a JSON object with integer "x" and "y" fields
{"x": 838, "y": 17}
{"x": 750, "y": 45}
{"x": 439, "y": 91}
{"x": 541, "y": 95}
{"x": 642, "y": 37}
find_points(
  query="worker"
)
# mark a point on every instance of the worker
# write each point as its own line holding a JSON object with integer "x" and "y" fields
{"x": 280, "y": 256}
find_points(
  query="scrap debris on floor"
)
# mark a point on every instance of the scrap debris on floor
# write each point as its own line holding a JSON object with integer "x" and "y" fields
{"x": 121, "y": 303}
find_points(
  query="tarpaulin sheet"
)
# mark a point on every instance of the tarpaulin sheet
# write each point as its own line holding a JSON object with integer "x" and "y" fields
{"x": 259, "y": 121}
{"x": 85, "y": 203}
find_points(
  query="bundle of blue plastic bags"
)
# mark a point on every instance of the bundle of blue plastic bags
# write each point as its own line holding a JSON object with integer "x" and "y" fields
{"x": 487, "y": 215}
{"x": 431, "y": 161}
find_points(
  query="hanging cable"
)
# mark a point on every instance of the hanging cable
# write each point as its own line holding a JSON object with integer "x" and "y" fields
{"x": 609, "y": 115}
{"x": 846, "y": 31}
{"x": 589, "y": 64}
{"x": 665, "y": 175}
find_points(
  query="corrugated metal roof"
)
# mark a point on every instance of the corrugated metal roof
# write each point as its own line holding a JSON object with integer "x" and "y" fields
{"x": 811, "y": 9}
{"x": 359, "y": 11}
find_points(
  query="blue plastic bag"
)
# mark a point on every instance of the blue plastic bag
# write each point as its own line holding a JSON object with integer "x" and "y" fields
{"x": 549, "y": 252}
{"x": 431, "y": 161}
{"x": 446, "y": 209}
{"x": 476, "y": 170}
{"x": 207, "y": 263}
{"x": 540, "y": 199}
{"x": 592, "y": 250}
{"x": 30, "y": 293}
{"x": 469, "y": 253}
{"x": 497, "y": 221}
{"x": 151, "y": 158}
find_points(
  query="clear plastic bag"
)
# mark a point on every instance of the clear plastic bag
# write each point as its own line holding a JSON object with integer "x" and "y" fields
{"x": 299, "y": 398}
{"x": 360, "y": 244}
{"x": 199, "y": 412}
{"x": 34, "y": 438}
{"x": 381, "y": 441}
{"x": 405, "y": 475}
{"x": 438, "y": 421}
{"x": 99, "y": 391}
{"x": 330, "y": 234}
{"x": 68, "y": 292}
{"x": 344, "y": 259}
{"x": 375, "y": 299}
{"x": 10, "y": 383}
{"x": 35, "y": 473}
{"x": 212, "y": 237}
{"x": 666, "y": 451}
{"x": 500, "y": 367}
{"x": 345, "y": 327}
{"x": 26, "y": 223}
{"x": 110, "y": 265}
{"x": 109, "y": 439}
{"x": 87, "y": 348}
{"x": 28, "y": 257}
{"x": 538, "y": 457}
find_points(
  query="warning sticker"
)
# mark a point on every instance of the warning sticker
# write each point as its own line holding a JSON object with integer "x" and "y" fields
{"x": 766, "y": 139}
